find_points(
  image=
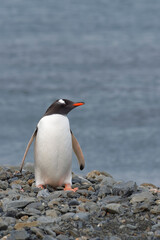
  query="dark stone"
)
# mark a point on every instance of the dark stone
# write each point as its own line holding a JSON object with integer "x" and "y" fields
{"x": 125, "y": 188}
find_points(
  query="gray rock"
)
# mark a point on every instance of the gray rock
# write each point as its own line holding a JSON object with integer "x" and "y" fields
{"x": 32, "y": 211}
{"x": 67, "y": 216}
{"x": 18, "y": 235}
{"x": 43, "y": 193}
{"x": 108, "y": 181}
{"x": 62, "y": 237}
{"x": 111, "y": 199}
{"x": 132, "y": 227}
{"x": 156, "y": 226}
{"x": 9, "y": 220}
{"x": 3, "y": 185}
{"x": 124, "y": 188}
{"x": 104, "y": 191}
{"x": 4, "y": 175}
{"x": 114, "y": 238}
{"x": 47, "y": 237}
{"x": 113, "y": 208}
{"x": 36, "y": 205}
{"x": 157, "y": 234}
{"x": 81, "y": 216}
{"x": 51, "y": 213}
{"x": 39, "y": 233}
{"x": 47, "y": 220}
{"x": 23, "y": 202}
{"x": 3, "y": 225}
{"x": 50, "y": 232}
{"x": 142, "y": 197}
{"x": 73, "y": 202}
{"x": 141, "y": 206}
{"x": 11, "y": 212}
{"x": 16, "y": 186}
{"x": 155, "y": 210}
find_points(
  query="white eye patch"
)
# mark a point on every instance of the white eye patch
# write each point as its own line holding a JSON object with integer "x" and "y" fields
{"x": 61, "y": 101}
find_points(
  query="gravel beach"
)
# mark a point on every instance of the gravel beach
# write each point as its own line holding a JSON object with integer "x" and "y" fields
{"x": 102, "y": 208}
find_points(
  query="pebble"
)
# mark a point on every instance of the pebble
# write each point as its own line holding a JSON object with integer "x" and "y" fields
{"x": 101, "y": 209}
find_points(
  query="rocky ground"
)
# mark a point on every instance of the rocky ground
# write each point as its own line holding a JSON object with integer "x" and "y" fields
{"x": 102, "y": 208}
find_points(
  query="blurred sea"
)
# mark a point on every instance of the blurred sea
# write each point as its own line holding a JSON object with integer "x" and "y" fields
{"x": 105, "y": 53}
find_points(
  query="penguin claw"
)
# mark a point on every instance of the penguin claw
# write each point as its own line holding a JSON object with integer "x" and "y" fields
{"x": 41, "y": 186}
{"x": 69, "y": 188}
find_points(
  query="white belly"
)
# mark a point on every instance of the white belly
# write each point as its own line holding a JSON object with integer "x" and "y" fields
{"x": 53, "y": 151}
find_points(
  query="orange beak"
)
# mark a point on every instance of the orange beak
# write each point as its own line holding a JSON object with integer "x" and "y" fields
{"x": 78, "y": 104}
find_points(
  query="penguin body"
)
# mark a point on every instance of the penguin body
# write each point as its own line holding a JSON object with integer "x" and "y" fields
{"x": 53, "y": 146}
{"x": 53, "y": 151}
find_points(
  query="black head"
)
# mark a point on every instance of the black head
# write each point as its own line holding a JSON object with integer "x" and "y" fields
{"x": 62, "y": 106}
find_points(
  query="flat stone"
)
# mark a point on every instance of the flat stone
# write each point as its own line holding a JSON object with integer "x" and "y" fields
{"x": 47, "y": 237}
{"x": 47, "y": 220}
{"x": 32, "y": 211}
{"x": 38, "y": 232}
{"x": 141, "y": 197}
{"x": 51, "y": 213}
{"x": 132, "y": 227}
{"x": 43, "y": 193}
{"x": 17, "y": 203}
{"x": 113, "y": 208}
{"x": 18, "y": 235}
{"x": 36, "y": 205}
{"x": 21, "y": 225}
{"x": 124, "y": 188}
{"x": 141, "y": 206}
{"x": 67, "y": 216}
{"x": 73, "y": 202}
{"x": 81, "y": 216}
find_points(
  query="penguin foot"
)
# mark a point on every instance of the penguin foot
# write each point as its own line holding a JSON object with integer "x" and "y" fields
{"x": 41, "y": 186}
{"x": 69, "y": 188}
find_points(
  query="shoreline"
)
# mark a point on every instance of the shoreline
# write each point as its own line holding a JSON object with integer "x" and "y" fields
{"x": 102, "y": 208}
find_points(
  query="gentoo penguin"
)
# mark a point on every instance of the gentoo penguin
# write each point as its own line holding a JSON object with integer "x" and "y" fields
{"x": 53, "y": 146}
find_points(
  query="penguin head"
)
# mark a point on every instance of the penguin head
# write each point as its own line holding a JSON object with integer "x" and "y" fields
{"x": 62, "y": 106}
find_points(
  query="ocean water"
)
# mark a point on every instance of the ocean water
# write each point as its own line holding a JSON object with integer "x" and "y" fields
{"x": 105, "y": 53}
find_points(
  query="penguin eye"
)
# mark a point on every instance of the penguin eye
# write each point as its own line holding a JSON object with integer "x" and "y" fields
{"x": 61, "y": 101}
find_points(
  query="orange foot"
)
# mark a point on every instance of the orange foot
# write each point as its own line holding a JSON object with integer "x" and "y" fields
{"x": 41, "y": 186}
{"x": 69, "y": 188}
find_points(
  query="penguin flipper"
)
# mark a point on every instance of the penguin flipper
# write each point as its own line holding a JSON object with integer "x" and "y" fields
{"x": 78, "y": 151}
{"x": 28, "y": 146}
